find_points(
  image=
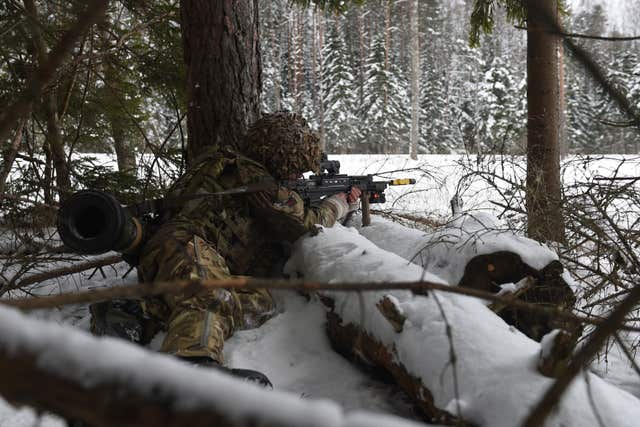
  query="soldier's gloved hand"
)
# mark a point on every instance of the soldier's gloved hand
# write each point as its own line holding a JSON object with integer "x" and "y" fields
{"x": 345, "y": 202}
{"x": 352, "y": 198}
{"x": 338, "y": 203}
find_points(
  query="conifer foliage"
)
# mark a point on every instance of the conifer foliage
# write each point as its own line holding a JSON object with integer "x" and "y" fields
{"x": 472, "y": 99}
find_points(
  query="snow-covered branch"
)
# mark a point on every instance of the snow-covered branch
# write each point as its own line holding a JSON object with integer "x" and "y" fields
{"x": 107, "y": 382}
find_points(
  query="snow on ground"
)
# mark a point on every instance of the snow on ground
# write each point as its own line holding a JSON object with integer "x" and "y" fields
{"x": 497, "y": 386}
{"x": 497, "y": 379}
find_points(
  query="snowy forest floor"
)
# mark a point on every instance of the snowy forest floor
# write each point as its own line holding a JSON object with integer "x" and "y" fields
{"x": 292, "y": 348}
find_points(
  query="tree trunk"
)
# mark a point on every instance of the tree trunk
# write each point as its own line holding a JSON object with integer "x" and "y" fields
{"x": 545, "y": 221}
{"x": 54, "y": 139}
{"x": 562, "y": 116}
{"x": 9, "y": 156}
{"x": 415, "y": 79}
{"x": 50, "y": 108}
{"x": 222, "y": 55}
{"x": 125, "y": 153}
{"x": 47, "y": 175}
{"x": 112, "y": 96}
{"x": 355, "y": 343}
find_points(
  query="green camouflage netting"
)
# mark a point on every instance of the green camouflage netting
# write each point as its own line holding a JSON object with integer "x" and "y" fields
{"x": 284, "y": 143}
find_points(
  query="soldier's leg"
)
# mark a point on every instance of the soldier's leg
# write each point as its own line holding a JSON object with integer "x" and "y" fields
{"x": 198, "y": 324}
{"x": 257, "y": 307}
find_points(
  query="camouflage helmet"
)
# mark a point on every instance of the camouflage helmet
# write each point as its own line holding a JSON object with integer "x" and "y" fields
{"x": 284, "y": 143}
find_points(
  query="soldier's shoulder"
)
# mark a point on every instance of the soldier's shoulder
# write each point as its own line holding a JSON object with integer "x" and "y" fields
{"x": 249, "y": 169}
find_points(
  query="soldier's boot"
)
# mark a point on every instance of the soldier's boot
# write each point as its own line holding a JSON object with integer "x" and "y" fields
{"x": 119, "y": 318}
{"x": 248, "y": 375}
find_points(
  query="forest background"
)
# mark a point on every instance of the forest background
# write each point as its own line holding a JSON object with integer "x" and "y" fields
{"x": 124, "y": 89}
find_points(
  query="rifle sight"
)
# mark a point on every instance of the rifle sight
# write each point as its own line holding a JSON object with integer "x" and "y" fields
{"x": 332, "y": 167}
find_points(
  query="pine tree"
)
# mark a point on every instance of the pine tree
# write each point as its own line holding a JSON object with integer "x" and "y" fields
{"x": 272, "y": 27}
{"x": 501, "y": 115}
{"x": 339, "y": 94}
{"x": 386, "y": 103}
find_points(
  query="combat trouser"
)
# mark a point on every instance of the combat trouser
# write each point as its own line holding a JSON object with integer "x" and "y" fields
{"x": 197, "y": 325}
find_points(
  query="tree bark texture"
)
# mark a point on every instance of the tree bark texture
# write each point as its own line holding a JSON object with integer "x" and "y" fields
{"x": 222, "y": 55}
{"x": 543, "y": 195}
{"x": 355, "y": 343}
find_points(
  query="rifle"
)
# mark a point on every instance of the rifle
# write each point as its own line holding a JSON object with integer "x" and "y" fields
{"x": 330, "y": 181}
{"x": 94, "y": 222}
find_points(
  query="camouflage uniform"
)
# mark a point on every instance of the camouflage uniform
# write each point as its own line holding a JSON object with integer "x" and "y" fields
{"x": 218, "y": 237}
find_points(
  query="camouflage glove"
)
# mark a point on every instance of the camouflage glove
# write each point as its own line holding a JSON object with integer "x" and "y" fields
{"x": 338, "y": 203}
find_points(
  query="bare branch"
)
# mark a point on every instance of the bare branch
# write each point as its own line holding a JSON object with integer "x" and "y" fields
{"x": 143, "y": 290}
{"x": 59, "y": 272}
{"x": 598, "y": 338}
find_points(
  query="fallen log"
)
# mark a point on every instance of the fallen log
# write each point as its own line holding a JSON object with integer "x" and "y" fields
{"x": 475, "y": 251}
{"x": 356, "y": 344}
{"x": 473, "y": 365}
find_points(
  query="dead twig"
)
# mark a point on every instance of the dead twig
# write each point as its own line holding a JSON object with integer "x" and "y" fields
{"x": 64, "y": 271}
{"x": 143, "y": 290}
{"x": 586, "y": 353}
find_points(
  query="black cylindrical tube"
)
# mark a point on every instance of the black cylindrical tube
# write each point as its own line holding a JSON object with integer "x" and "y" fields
{"x": 93, "y": 222}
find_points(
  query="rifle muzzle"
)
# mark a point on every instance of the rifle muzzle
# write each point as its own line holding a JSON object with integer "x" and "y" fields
{"x": 93, "y": 222}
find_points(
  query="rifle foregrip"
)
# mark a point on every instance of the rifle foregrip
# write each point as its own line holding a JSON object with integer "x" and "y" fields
{"x": 94, "y": 222}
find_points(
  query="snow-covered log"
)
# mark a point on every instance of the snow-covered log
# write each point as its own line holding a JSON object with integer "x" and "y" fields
{"x": 108, "y": 382}
{"x": 472, "y": 363}
{"x": 477, "y": 251}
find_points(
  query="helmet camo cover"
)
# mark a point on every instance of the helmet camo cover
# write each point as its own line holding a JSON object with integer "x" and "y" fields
{"x": 284, "y": 143}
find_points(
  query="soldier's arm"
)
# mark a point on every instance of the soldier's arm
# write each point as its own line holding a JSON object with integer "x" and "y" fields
{"x": 286, "y": 215}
